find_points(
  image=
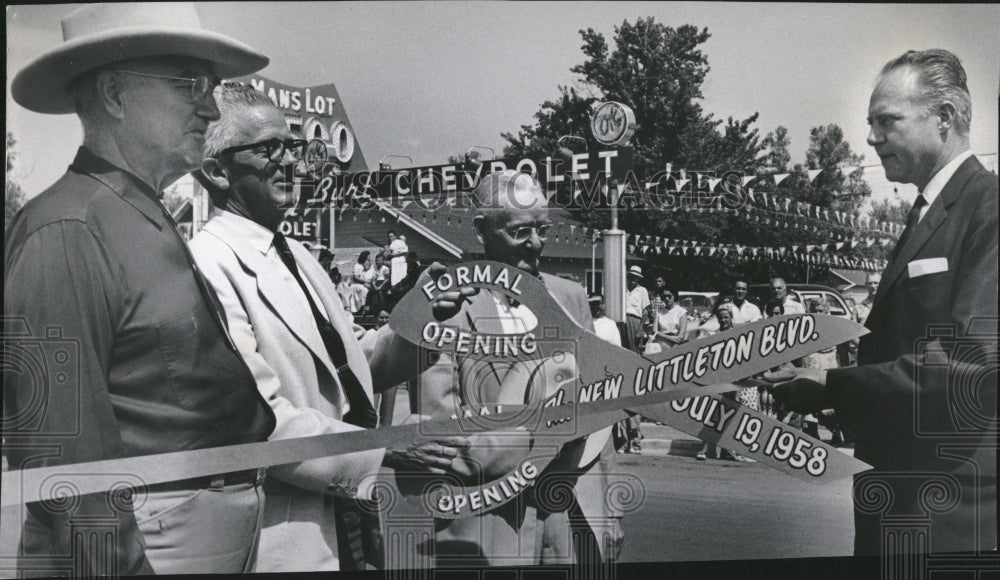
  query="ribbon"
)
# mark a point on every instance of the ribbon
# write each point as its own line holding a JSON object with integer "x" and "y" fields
{"x": 678, "y": 386}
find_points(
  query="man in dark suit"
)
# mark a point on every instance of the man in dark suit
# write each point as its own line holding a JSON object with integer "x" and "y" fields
{"x": 923, "y": 396}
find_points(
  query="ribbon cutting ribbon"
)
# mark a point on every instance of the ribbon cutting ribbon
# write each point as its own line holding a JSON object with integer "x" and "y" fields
{"x": 678, "y": 387}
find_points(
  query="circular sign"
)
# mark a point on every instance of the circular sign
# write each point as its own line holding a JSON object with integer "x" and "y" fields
{"x": 316, "y": 155}
{"x": 343, "y": 141}
{"x": 613, "y": 124}
{"x": 314, "y": 129}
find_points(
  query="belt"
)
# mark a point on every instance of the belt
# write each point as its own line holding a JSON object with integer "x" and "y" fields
{"x": 213, "y": 482}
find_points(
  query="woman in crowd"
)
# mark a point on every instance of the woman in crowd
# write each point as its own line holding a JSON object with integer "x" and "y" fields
{"x": 670, "y": 321}
{"x": 724, "y": 315}
{"x": 380, "y": 283}
{"x": 361, "y": 282}
{"x": 824, "y": 359}
{"x": 711, "y": 325}
{"x": 340, "y": 285}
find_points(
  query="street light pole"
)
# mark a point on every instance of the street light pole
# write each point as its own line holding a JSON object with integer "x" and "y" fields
{"x": 613, "y": 124}
{"x": 614, "y": 261}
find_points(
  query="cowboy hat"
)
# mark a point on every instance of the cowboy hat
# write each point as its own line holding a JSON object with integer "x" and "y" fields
{"x": 635, "y": 271}
{"x": 100, "y": 34}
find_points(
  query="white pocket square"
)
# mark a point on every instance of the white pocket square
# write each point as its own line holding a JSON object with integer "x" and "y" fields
{"x": 919, "y": 268}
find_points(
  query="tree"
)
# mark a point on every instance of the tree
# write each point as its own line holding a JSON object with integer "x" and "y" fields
{"x": 14, "y": 196}
{"x": 658, "y": 71}
{"x": 832, "y": 187}
{"x": 887, "y": 210}
{"x": 778, "y": 157}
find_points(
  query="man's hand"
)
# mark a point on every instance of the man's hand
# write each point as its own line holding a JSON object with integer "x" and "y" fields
{"x": 435, "y": 456}
{"x": 802, "y": 390}
{"x": 426, "y": 456}
{"x": 447, "y": 304}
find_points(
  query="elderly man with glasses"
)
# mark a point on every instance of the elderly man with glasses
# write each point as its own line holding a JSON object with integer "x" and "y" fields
{"x": 288, "y": 322}
{"x": 96, "y": 261}
{"x": 511, "y": 222}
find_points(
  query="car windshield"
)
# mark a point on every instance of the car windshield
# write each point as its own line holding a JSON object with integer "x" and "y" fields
{"x": 696, "y": 301}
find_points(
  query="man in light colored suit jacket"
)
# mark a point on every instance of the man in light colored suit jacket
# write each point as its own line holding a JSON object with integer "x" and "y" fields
{"x": 923, "y": 396}
{"x": 511, "y": 223}
{"x": 279, "y": 330}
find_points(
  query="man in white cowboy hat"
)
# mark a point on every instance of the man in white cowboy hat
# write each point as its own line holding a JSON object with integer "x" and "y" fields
{"x": 636, "y": 302}
{"x": 96, "y": 257}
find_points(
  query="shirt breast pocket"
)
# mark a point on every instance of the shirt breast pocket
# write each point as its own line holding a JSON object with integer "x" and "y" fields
{"x": 200, "y": 367}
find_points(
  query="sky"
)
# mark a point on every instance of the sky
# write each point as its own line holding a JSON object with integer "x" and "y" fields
{"x": 433, "y": 79}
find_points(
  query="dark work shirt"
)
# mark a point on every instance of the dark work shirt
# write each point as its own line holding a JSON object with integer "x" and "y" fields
{"x": 101, "y": 290}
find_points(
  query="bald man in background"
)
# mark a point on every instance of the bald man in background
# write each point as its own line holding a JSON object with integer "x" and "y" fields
{"x": 511, "y": 222}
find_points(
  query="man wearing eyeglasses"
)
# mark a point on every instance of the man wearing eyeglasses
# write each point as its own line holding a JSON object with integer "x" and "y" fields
{"x": 512, "y": 222}
{"x": 289, "y": 323}
{"x": 96, "y": 261}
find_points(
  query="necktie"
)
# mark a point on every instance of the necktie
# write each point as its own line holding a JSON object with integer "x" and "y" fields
{"x": 361, "y": 413}
{"x": 912, "y": 219}
{"x": 352, "y": 536}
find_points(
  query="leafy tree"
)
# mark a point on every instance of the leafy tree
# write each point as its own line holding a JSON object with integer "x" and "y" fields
{"x": 778, "y": 157}
{"x": 658, "y": 71}
{"x": 14, "y": 196}
{"x": 460, "y": 159}
{"x": 834, "y": 187}
{"x": 887, "y": 210}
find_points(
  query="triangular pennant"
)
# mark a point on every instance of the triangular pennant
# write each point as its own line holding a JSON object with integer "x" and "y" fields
{"x": 813, "y": 173}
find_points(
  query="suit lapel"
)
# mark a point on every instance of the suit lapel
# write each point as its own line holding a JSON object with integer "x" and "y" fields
{"x": 274, "y": 282}
{"x": 936, "y": 215}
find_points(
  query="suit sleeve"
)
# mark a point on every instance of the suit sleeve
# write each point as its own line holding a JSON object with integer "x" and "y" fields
{"x": 339, "y": 474}
{"x": 61, "y": 278}
{"x": 392, "y": 359}
{"x": 973, "y": 312}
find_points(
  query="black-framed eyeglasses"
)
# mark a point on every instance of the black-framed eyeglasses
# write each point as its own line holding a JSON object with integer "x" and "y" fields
{"x": 523, "y": 233}
{"x": 274, "y": 148}
{"x": 201, "y": 87}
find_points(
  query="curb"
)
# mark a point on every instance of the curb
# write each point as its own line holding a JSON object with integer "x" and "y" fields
{"x": 675, "y": 447}
{"x": 689, "y": 448}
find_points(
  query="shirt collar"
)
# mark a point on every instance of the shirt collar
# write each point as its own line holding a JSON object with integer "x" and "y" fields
{"x": 87, "y": 161}
{"x": 941, "y": 178}
{"x": 259, "y": 237}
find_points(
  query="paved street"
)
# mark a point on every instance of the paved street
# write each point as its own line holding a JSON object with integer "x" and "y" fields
{"x": 715, "y": 510}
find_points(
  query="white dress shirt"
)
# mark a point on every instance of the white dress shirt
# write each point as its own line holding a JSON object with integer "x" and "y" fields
{"x": 940, "y": 179}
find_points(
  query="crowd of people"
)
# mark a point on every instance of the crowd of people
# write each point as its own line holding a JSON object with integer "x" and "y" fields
{"x": 375, "y": 285}
{"x": 656, "y": 320}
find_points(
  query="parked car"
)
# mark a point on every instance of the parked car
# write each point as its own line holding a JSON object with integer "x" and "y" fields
{"x": 698, "y": 304}
{"x": 699, "y": 307}
{"x": 760, "y": 294}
